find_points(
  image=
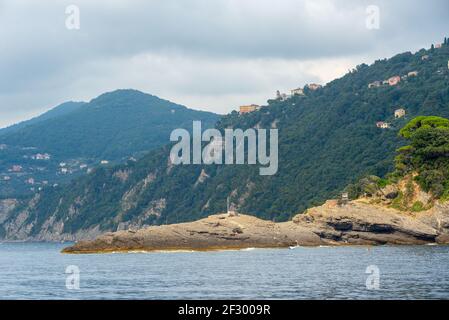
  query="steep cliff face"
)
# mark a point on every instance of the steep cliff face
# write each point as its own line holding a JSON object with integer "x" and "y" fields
{"x": 361, "y": 223}
{"x": 399, "y": 213}
{"x": 26, "y": 226}
{"x": 6, "y": 207}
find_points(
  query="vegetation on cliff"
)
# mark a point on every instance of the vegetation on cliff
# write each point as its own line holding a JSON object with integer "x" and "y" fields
{"x": 427, "y": 154}
{"x": 421, "y": 166}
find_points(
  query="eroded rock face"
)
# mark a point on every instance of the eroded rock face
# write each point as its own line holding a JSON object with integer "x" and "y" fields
{"x": 6, "y": 207}
{"x": 363, "y": 223}
{"x": 357, "y": 223}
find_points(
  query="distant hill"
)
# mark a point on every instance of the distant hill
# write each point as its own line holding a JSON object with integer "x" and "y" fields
{"x": 327, "y": 139}
{"x": 113, "y": 127}
{"x": 60, "y": 110}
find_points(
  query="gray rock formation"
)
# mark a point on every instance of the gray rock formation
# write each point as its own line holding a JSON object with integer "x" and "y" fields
{"x": 357, "y": 223}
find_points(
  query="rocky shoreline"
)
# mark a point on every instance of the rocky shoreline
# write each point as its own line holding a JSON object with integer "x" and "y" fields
{"x": 356, "y": 223}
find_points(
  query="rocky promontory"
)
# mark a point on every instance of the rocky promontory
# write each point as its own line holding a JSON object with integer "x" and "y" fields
{"x": 358, "y": 222}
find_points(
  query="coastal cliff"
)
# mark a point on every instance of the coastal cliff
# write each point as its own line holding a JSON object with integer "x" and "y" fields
{"x": 355, "y": 223}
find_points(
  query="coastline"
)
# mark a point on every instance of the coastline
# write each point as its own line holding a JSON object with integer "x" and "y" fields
{"x": 355, "y": 224}
{"x": 242, "y": 249}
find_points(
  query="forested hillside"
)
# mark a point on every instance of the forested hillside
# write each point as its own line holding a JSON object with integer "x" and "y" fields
{"x": 327, "y": 139}
{"x": 73, "y": 138}
{"x": 113, "y": 125}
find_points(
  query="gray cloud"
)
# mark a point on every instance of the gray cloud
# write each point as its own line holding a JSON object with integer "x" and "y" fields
{"x": 207, "y": 54}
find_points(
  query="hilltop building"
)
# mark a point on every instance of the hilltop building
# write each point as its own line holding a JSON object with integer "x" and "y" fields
{"x": 16, "y": 168}
{"x": 249, "y": 108}
{"x": 41, "y": 156}
{"x": 314, "y": 86}
{"x": 278, "y": 95}
{"x": 438, "y": 46}
{"x": 104, "y": 162}
{"x": 412, "y": 74}
{"x": 281, "y": 96}
{"x": 375, "y": 84}
{"x": 297, "y": 92}
{"x": 394, "y": 80}
{"x": 382, "y": 125}
{"x": 425, "y": 57}
{"x": 399, "y": 113}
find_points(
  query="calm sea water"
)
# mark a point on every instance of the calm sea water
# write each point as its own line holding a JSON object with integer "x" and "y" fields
{"x": 37, "y": 271}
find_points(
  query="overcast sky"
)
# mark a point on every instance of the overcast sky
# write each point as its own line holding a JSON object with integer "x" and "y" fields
{"x": 206, "y": 54}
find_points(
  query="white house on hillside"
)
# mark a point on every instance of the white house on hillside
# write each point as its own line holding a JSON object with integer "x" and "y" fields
{"x": 399, "y": 113}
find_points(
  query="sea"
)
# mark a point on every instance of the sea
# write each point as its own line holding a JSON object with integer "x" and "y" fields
{"x": 39, "y": 271}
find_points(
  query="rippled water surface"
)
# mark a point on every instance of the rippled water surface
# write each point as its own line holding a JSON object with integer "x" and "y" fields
{"x": 37, "y": 271}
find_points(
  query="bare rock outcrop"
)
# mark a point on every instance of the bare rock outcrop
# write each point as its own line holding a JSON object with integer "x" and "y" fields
{"x": 362, "y": 223}
{"x": 216, "y": 232}
{"x": 356, "y": 223}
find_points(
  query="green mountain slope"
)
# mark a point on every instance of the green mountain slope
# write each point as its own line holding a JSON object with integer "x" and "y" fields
{"x": 60, "y": 110}
{"x": 114, "y": 127}
{"x": 327, "y": 140}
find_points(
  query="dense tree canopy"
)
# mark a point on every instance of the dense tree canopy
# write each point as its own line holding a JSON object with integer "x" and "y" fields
{"x": 427, "y": 154}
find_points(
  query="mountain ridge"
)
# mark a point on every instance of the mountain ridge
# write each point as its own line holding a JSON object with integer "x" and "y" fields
{"x": 61, "y": 109}
{"x": 111, "y": 128}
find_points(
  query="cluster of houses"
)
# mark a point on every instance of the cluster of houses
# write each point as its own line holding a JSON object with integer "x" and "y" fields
{"x": 24, "y": 174}
{"x": 393, "y": 81}
{"x": 65, "y": 168}
{"x": 399, "y": 113}
{"x": 397, "y": 79}
{"x": 16, "y": 168}
{"x": 281, "y": 97}
{"x": 32, "y": 182}
{"x": 41, "y": 156}
{"x": 18, "y": 171}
